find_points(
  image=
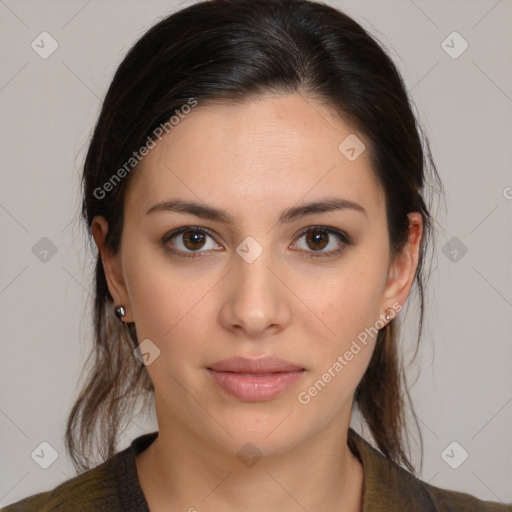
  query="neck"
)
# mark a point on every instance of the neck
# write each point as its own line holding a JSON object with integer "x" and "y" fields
{"x": 319, "y": 474}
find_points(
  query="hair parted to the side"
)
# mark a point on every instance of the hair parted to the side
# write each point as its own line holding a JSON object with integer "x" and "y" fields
{"x": 226, "y": 50}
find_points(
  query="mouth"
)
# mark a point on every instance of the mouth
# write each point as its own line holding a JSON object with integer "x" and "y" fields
{"x": 255, "y": 380}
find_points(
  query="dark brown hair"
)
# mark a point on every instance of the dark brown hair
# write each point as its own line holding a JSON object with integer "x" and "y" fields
{"x": 224, "y": 50}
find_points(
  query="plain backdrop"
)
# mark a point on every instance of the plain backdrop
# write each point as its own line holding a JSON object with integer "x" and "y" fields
{"x": 463, "y": 391}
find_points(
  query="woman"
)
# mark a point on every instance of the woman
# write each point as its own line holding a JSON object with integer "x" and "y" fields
{"x": 255, "y": 187}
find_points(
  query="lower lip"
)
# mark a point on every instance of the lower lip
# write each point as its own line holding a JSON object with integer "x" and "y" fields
{"x": 254, "y": 387}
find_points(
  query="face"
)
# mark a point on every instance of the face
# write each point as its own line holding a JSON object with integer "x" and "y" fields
{"x": 251, "y": 272}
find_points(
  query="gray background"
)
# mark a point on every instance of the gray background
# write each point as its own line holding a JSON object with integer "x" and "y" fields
{"x": 463, "y": 390}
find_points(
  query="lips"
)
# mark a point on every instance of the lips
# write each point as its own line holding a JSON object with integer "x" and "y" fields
{"x": 263, "y": 365}
{"x": 255, "y": 379}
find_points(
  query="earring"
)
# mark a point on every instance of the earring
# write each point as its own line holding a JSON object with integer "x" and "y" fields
{"x": 388, "y": 315}
{"x": 120, "y": 312}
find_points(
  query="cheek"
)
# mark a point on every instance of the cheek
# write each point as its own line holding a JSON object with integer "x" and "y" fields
{"x": 161, "y": 298}
{"x": 349, "y": 305}
{"x": 349, "y": 299}
{"x": 350, "y": 308}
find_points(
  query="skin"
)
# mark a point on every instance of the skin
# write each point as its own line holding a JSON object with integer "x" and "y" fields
{"x": 255, "y": 159}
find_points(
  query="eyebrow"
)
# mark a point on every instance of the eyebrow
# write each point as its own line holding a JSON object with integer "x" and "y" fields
{"x": 204, "y": 211}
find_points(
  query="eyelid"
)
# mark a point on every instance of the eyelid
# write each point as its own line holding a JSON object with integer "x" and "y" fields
{"x": 320, "y": 227}
{"x": 183, "y": 229}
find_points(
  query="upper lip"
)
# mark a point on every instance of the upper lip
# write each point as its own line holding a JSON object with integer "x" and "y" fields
{"x": 262, "y": 365}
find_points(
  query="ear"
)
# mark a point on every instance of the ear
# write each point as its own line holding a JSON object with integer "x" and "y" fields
{"x": 111, "y": 266}
{"x": 403, "y": 268}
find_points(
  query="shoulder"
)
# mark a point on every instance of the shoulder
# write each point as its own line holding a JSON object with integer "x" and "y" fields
{"x": 109, "y": 487}
{"x": 91, "y": 490}
{"x": 401, "y": 490}
{"x": 448, "y": 501}
{"x": 79, "y": 493}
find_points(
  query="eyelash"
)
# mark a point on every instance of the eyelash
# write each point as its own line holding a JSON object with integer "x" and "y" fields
{"x": 342, "y": 237}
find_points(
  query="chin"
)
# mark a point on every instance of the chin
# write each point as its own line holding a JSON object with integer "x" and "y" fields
{"x": 270, "y": 432}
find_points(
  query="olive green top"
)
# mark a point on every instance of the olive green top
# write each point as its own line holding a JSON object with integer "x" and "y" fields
{"x": 114, "y": 486}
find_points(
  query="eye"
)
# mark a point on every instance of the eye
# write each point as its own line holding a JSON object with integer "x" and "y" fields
{"x": 318, "y": 238}
{"x": 191, "y": 240}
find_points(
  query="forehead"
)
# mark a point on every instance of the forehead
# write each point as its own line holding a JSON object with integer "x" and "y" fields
{"x": 263, "y": 151}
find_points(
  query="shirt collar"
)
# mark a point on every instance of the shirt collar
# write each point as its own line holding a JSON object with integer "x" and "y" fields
{"x": 387, "y": 487}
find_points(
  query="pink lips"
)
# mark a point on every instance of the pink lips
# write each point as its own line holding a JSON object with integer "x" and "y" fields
{"x": 254, "y": 380}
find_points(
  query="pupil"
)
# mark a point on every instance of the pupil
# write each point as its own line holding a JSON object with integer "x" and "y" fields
{"x": 317, "y": 237}
{"x": 192, "y": 239}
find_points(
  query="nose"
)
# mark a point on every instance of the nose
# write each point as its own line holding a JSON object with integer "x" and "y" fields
{"x": 256, "y": 300}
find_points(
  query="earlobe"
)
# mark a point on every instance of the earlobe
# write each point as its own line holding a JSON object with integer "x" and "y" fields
{"x": 111, "y": 265}
{"x": 403, "y": 269}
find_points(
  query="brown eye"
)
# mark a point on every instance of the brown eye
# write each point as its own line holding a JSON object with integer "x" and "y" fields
{"x": 317, "y": 240}
{"x": 193, "y": 240}
{"x": 190, "y": 241}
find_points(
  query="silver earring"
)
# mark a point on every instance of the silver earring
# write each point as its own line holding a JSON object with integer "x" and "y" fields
{"x": 388, "y": 315}
{"x": 120, "y": 312}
